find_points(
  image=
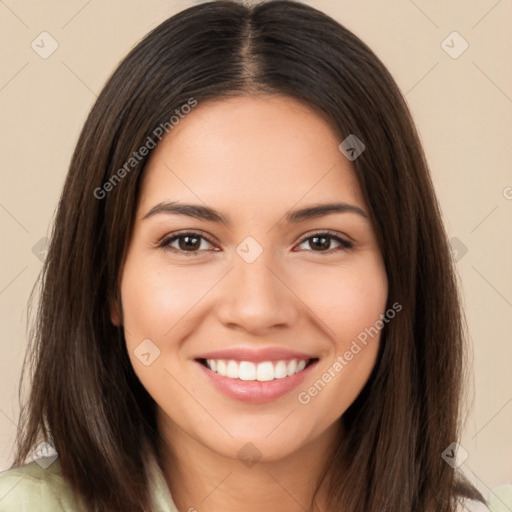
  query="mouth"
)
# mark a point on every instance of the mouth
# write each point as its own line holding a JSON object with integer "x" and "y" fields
{"x": 264, "y": 371}
{"x": 255, "y": 382}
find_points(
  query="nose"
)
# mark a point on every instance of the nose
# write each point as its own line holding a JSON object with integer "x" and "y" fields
{"x": 255, "y": 297}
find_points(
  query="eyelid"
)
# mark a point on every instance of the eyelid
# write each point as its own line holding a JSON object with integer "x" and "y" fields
{"x": 344, "y": 241}
{"x": 175, "y": 234}
{"x": 334, "y": 234}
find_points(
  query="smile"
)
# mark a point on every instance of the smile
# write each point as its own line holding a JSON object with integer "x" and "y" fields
{"x": 249, "y": 371}
{"x": 255, "y": 382}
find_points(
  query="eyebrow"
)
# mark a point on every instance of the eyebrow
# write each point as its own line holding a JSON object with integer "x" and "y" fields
{"x": 210, "y": 214}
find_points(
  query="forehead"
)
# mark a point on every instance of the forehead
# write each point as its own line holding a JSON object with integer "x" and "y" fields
{"x": 255, "y": 152}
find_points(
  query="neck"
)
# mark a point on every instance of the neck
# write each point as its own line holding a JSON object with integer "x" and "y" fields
{"x": 201, "y": 479}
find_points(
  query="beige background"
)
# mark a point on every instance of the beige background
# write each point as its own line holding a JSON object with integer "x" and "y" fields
{"x": 462, "y": 106}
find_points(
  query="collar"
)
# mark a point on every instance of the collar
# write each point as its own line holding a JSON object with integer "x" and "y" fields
{"x": 159, "y": 490}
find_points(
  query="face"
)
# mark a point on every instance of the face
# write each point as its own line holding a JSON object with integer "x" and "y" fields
{"x": 237, "y": 318}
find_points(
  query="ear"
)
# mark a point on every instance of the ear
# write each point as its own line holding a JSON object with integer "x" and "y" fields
{"x": 115, "y": 315}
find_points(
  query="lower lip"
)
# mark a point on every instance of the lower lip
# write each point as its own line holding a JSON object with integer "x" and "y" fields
{"x": 253, "y": 391}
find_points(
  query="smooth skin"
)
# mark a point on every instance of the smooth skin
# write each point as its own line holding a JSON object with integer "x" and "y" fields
{"x": 254, "y": 159}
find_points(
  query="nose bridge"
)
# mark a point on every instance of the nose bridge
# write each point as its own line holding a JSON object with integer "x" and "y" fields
{"x": 255, "y": 295}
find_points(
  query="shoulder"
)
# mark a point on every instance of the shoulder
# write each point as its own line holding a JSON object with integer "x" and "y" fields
{"x": 468, "y": 505}
{"x": 34, "y": 487}
{"x": 500, "y": 498}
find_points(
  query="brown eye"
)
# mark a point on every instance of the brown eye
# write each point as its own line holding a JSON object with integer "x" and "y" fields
{"x": 187, "y": 243}
{"x": 321, "y": 242}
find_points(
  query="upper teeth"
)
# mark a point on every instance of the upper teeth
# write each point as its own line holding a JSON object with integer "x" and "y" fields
{"x": 247, "y": 370}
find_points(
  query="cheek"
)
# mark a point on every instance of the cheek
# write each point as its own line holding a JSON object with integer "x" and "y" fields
{"x": 349, "y": 304}
{"x": 156, "y": 299}
{"x": 155, "y": 304}
{"x": 348, "y": 300}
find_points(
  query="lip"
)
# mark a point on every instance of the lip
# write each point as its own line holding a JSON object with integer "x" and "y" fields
{"x": 254, "y": 392}
{"x": 256, "y": 355}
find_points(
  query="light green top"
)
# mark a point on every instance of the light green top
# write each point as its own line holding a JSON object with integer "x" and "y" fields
{"x": 34, "y": 488}
{"x": 37, "y": 487}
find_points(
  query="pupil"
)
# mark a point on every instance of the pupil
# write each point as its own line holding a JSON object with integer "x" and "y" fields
{"x": 325, "y": 245}
{"x": 187, "y": 239}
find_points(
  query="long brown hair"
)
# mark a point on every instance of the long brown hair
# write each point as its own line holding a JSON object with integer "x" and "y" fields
{"x": 85, "y": 398}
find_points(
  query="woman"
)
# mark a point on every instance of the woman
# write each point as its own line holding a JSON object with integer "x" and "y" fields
{"x": 249, "y": 300}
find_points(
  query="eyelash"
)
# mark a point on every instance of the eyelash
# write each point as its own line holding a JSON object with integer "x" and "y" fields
{"x": 165, "y": 242}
